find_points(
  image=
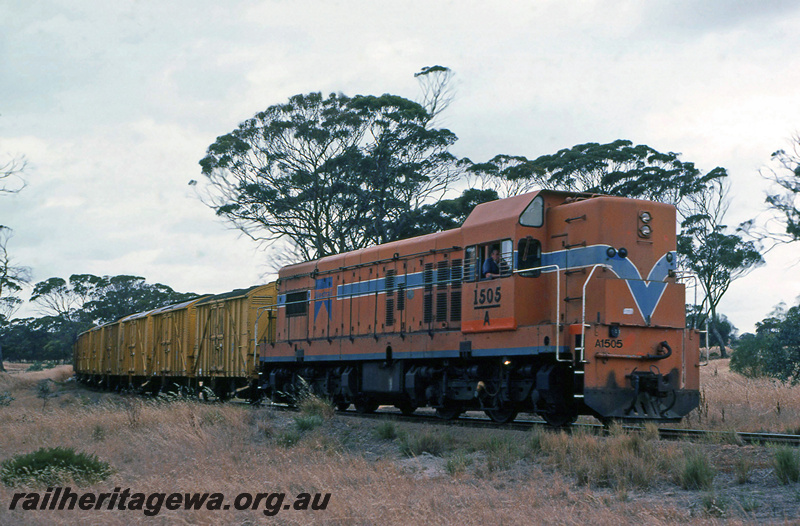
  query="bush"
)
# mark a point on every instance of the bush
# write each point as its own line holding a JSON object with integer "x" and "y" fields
{"x": 774, "y": 350}
{"x": 311, "y": 404}
{"x": 6, "y": 399}
{"x": 457, "y": 464}
{"x": 786, "y": 463}
{"x": 288, "y": 439}
{"x": 714, "y": 505}
{"x": 428, "y": 442}
{"x": 386, "y": 431}
{"x": 697, "y": 472}
{"x": 743, "y": 467}
{"x": 53, "y": 467}
{"x": 501, "y": 451}
{"x": 308, "y": 422}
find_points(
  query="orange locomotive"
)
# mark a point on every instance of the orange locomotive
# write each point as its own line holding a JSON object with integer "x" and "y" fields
{"x": 550, "y": 302}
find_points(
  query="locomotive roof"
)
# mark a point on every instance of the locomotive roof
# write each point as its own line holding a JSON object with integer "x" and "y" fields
{"x": 483, "y": 215}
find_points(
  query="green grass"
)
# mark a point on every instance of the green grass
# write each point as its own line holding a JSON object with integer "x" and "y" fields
{"x": 435, "y": 443}
{"x": 786, "y": 464}
{"x": 743, "y": 467}
{"x": 386, "y": 431}
{"x": 714, "y": 505}
{"x": 308, "y": 422}
{"x": 457, "y": 463}
{"x": 288, "y": 438}
{"x": 697, "y": 472}
{"x": 52, "y": 467}
{"x": 501, "y": 451}
{"x": 311, "y": 404}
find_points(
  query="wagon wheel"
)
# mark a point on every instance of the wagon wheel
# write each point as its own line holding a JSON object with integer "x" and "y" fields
{"x": 343, "y": 406}
{"x": 448, "y": 412}
{"x": 406, "y": 407}
{"x": 502, "y": 415}
{"x": 559, "y": 419}
{"x": 365, "y": 405}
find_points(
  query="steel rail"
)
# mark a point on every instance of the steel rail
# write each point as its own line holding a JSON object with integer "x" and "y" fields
{"x": 710, "y": 436}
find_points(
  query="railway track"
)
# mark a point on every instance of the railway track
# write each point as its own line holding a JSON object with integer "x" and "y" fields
{"x": 474, "y": 421}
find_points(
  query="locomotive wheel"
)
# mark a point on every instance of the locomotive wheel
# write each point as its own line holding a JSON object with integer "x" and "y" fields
{"x": 503, "y": 415}
{"x": 366, "y": 405}
{"x": 448, "y": 413}
{"x": 560, "y": 419}
{"x": 407, "y": 408}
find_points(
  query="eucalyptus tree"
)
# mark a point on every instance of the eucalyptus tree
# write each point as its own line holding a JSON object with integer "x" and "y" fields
{"x": 717, "y": 256}
{"x": 329, "y": 174}
{"x": 616, "y": 168}
{"x": 786, "y": 202}
{"x": 87, "y": 298}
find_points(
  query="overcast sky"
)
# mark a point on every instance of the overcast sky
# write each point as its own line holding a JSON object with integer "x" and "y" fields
{"x": 114, "y": 103}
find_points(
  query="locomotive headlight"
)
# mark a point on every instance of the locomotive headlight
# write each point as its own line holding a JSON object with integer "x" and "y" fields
{"x": 645, "y": 217}
{"x": 645, "y": 230}
{"x": 613, "y": 331}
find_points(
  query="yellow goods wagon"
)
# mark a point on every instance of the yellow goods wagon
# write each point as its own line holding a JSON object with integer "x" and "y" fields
{"x": 173, "y": 342}
{"x": 227, "y": 336}
{"x": 96, "y": 351}
{"x": 84, "y": 352}
{"x": 111, "y": 366}
{"x": 135, "y": 334}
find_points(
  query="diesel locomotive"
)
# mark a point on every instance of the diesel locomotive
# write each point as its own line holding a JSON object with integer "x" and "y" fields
{"x": 582, "y": 314}
{"x": 554, "y": 303}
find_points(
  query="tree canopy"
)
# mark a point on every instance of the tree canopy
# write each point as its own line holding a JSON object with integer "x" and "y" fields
{"x": 774, "y": 350}
{"x": 786, "y": 202}
{"x": 616, "y": 168}
{"x": 12, "y": 278}
{"x": 69, "y": 307}
{"x": 329, "y": 174}
{"x": 96, "y": 299}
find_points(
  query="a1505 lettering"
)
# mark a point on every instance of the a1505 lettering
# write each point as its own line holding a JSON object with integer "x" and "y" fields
{"x": 608, "y": 343}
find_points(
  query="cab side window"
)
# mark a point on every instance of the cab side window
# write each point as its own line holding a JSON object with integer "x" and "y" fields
{"x": 529, "y": 252}
{"x": 497, "y": 259}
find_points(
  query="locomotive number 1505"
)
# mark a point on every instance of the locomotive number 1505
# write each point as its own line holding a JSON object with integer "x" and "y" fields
{"x": 487, "y": 298}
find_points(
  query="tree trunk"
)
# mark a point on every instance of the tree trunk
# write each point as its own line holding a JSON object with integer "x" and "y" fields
{"x": 2, "y": 367}
{"x": 723, "y": 353}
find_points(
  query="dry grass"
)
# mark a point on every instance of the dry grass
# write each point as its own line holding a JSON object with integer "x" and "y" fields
{"x": 482, "y": 477}
{"x": 730, "y": 401}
